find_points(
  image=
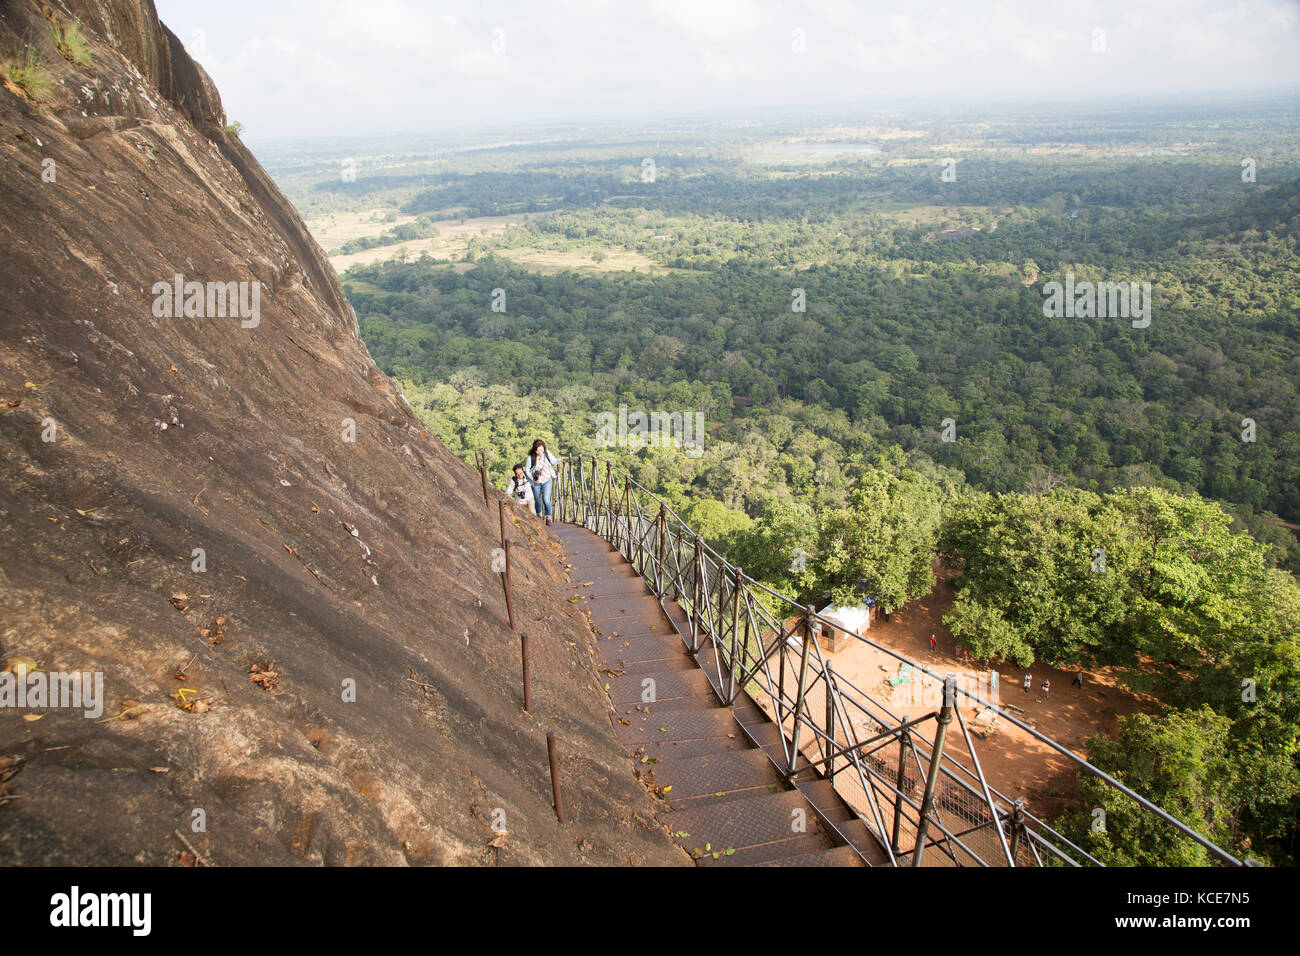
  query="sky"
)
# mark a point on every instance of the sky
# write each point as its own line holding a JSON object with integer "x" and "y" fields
{"x": 292, "y": 69}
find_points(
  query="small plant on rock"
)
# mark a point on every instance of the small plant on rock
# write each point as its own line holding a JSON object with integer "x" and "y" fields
{"x": 28, "y": 72}
{"x": 70, "y": 42}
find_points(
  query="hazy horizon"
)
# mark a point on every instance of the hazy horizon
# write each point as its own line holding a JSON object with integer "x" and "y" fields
{"x": 399, "y": 67}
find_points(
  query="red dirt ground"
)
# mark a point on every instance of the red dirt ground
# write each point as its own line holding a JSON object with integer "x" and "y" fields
{"x": 1013, "y": 761}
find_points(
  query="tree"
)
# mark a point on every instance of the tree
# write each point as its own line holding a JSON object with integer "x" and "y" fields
{"x": 716, "y": 523}
{"x": 778, "y": 548}
{"x": 1181, "y": 762}
{"x": 1037, "y": 576}
{"x": 885, "y": 538}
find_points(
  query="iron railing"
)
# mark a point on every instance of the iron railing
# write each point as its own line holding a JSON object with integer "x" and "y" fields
{"x": 921, "y": 797}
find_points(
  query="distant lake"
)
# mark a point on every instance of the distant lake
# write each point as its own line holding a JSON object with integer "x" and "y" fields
{"x": 822, "y": 149}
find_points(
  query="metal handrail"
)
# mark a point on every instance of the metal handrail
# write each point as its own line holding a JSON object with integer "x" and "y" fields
{"x": 829, "y": 727}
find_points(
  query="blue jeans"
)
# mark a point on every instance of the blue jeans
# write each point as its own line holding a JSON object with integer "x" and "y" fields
{"x": 542, "y": 497}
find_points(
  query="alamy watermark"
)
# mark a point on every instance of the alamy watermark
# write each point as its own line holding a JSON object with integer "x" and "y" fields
{"x": 1102, "y": 300}
{"x": 127, "y": 910}
{"x": 924, "y": 691}
{"x": 74, "y": 690}
{"x": 208, "y": 300}
{"x": 683, "y": 430}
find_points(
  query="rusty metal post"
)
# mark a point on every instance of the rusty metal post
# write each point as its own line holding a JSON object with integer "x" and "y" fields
{"x": 936, "y": 757}
{"x": 555, "y": 776}
{"x": 528, "y": 684}
{"x": 505, "y": 577}
{"x": 505, "y": 582}
{"x": 482, "y": 473}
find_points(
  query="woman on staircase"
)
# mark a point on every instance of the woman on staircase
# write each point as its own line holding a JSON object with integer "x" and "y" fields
{"x": 541, "y": 471}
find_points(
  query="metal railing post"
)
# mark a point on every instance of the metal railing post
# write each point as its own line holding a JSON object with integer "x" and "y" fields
{"x": 627, "y": 517}
{"x": 581, "y": 490}
{"x": 936, "y": 756}
{"x": 743, "y": 642}
{"x": 560, "y": 485}
{"x": 611, "y": 531}
{"x": 737, "y": 584}
{"x": 717, "y": 621}
{"x": 904, "y": 745}
{"x": 828, "y": 674}
{"x": 1017, "y": 826}
{"x": 696, "y": 589}
{"x": 783, "y": 637}
{"x": 588, "y": 483}
{"x": 659, "y": 570}
{"x": 806, "y": 629}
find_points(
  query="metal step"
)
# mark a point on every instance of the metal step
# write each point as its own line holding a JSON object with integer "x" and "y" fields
{"x": 836, "y": 856}
{"x": 727, "y": 793}
{"x": 725, "y": 776}
{"x": 605, "y": 610}
{"x": 756, "y": 820}
{"x": 769, "y": 853}
{"x": 655, "y": 689}
{"x": 604, "y": 586}
{"x": 665, "y": 750}
{"x": 648, "y": 668}
{"x": 676, "y": 725}
{"x": 857, "y": 834}
{"x": 698, "y": 702}
{"x": 652, "y": 648}
{"x": 822, "y": 795}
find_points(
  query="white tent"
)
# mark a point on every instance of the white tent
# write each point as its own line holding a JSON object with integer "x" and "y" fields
{"x": 855, "y": 620}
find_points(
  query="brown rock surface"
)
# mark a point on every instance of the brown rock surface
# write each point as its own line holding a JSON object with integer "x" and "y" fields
{"x": 327, "y": 560}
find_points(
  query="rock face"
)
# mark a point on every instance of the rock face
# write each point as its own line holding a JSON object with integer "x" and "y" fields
{"x": 183, "y": 508}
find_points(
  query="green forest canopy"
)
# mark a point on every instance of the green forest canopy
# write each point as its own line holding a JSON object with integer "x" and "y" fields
{"x": 1087, "y": 482}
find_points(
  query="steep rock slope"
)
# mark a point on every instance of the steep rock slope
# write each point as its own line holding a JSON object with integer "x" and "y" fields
{"x": 202, "y": 440}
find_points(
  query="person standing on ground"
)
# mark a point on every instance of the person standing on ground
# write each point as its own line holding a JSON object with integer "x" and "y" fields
{"x": 1029, "y": 682}
{"x": 934, "y": 642}
{"x": 1047, "y": 687}
{"x": 1078, "y": 680}
{"x": 540, "y": 469}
